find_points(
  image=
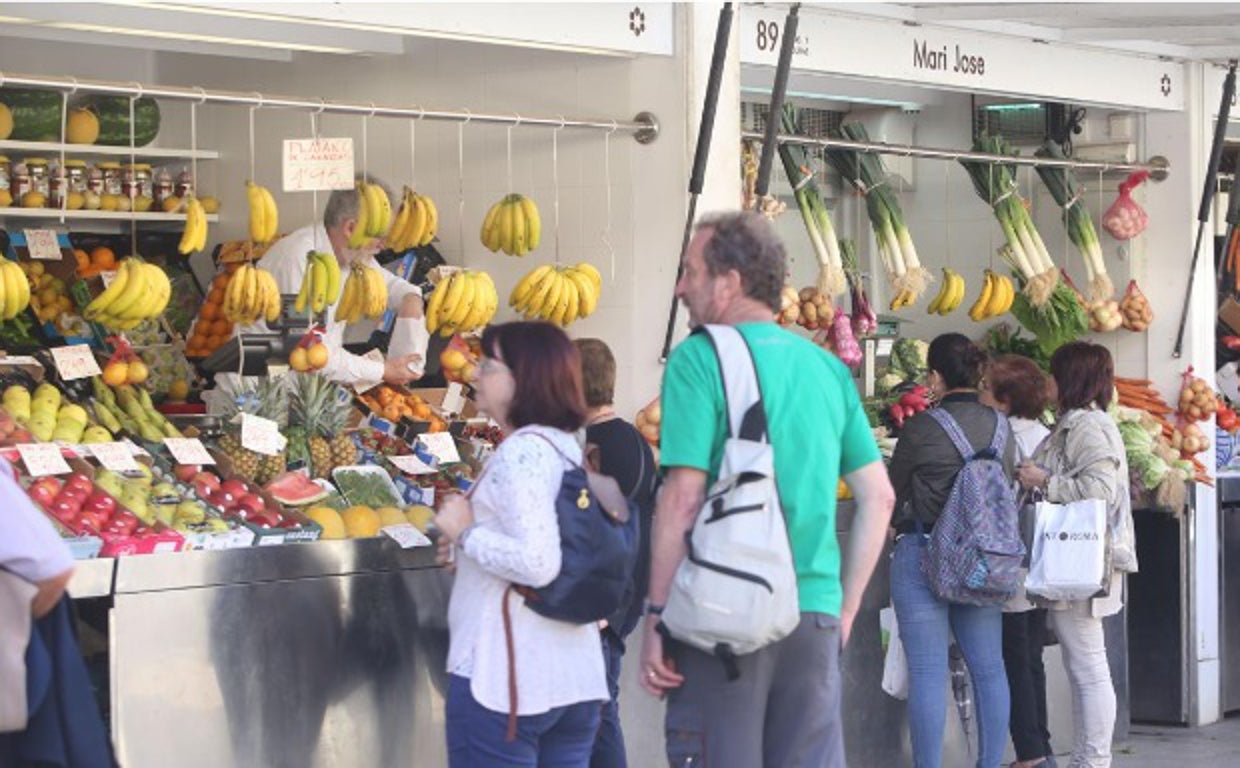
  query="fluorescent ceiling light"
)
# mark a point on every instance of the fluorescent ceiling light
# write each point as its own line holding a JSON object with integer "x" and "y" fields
{"x": 218, "y": 39}
{"x": 16, "y": 20}
{"x": 818, "y": 96}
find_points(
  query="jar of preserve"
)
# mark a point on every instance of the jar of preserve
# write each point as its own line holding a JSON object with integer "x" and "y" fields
{"x": 136, "y": 180}
{"x": 39, "y": 178}
{"x": 185, "y": 184}
{"x": 6, "y": 174}
{"x": 162, "y": 186}
{"x": 111, "y": 178}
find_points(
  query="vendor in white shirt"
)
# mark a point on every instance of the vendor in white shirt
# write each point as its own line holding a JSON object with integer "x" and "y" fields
{"x": 286, "y": 261}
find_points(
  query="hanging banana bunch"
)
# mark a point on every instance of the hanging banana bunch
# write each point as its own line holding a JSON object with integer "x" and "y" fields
{"x": 320, "y": 286}
{"x": 465, "y": 301}
{"x": 252, "y": 294}
{"x": 264, "y": 216}
{"x": 365, "y": 295}
{"x": 416, "y": 222}
{"x": 512, "y": 226}
{"x": 557, "y": 294}
{"x": 194, "y": 238}
{"x": 995, "y": 299}
{"x": 374, "y": 214}
{"x": 140, "y": 292}
{"x": 950, "y": 296}
{"x": 14, "y": 290}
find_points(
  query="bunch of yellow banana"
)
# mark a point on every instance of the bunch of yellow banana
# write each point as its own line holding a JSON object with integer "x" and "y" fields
{"x": 512, "y": 226}
{"x": 416, "y": 223}
{"x": 904, "y": 298}
{"x": 558, "y": 294}
{"x": 194, "y": 238}
{"x": 320, "y": 286}
{"x": 465, "y": 301}
{"x": 995, "y": 299}
{"x": 264, "y": 217}
{"x": 14, "y": 290}
{"x": 139, "y": 292}
{"x": 252, "y": 293}
{"x": 365, "y": 295}
{"x": 374, "y": 214}
{"x": 951, "y": 294}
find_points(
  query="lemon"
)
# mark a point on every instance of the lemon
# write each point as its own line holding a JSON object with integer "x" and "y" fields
{"x": 390, "y": 516}
{"x": 137, "y": 372}
{"x": 34, "y": 200}
{"x": 297, "y": 360}
{"x": 171, "y": 203}
{"x": 115, "y": 374}
{"x": 6, "y": 197}
{"x": 361, "y": 522}
{"x": 330, "y": 520}
{"x": 316, "y": 355}
{"x": 178, "y": 390}
{"x": 420, "y": 516}
{"x": 76, "y": 201}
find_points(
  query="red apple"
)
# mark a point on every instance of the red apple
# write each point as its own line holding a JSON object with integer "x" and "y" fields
{"x": 206, "y": 477}
{"x": 252, "y": 503}
{"x": 263, "y": 519}
{"x": 43, "y": 493}
{"x": 94, "y": 518}
{"x": 124, "y": 522}
{"x": 64, "y": 510}
{"x": 289, "y": 522}
{"x": 100, "y": 502}
{"x": 235, "y": 486}
{"x": 79, "y": 480}
{"x": 76, "y": 493}
{"x": 186, "y": 472}
{"x": 223, "y": 499}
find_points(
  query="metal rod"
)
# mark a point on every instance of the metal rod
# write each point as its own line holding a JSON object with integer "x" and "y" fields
{"x": 644, "y": 128}
{"x": 778, "y": 91}
{"x": 1157, "y": 167}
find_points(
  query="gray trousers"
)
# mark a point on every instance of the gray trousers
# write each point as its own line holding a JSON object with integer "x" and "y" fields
{"x": 782, "y": 712}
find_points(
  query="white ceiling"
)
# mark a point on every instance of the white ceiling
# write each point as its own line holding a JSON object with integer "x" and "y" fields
{"x": 1199, "y": 31}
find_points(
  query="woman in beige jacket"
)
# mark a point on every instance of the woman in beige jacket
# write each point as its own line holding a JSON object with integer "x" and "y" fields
{"x": 1084, "y": 459}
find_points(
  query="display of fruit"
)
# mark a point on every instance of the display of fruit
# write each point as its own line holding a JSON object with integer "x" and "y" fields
{"x": 81, "y": 126}
{"x": 374, "y": 443}
{"x": 14, "y": 290}
{"x": 366, "y": 486}
{"x": 459, "y": 360}
{"x": 268, "y": 398}
{"x": 465, "y": 301}
{"x": 211, "y": 329}
{"x": 416, "y": 222}
{"x": 365, "y": 294}
{"x": 1104, "y": 316}
{"x": 816, "y": 312}
{"x": 513, "y": 226}
{"x": 393, "y": 404}
{"x": 789, "y": 307}
{"x": 374, "y": 214}
{"x": 330, "y": 521}
{"x": 140, "y": 291}
{"x": 558, "y": 294}
{"x": 171, "y": 374}
{"x": 1197, "y": 400}
{"x": 83, "y": 506}
{"x": 322, "y": 409}
{"x": 100, "y": 259}
{"x": 1136, "y": 309}
{"x": 48, "y": 296}
{"x": 996, "y": 297}
{"x": 950, "y": 295}
{"x": 294, "y": 489}
{"x": 487, "y": 433}
{"x": 648, "y": 421}
{"x": 320, "y": 286}
{"x": 130, "y": 408}
{"x": 239, "y": 499}
{"x": 194, "y": 238}
{"x": 310, "y": 353}
{"x": 12, "y": 433}
{"x": 124, "y": 366}
{"x": 252, "y": 294}
{"x": 264, "y": 216}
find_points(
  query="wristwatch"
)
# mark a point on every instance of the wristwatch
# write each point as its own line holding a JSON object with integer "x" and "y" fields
{"x": 650, "y": 609}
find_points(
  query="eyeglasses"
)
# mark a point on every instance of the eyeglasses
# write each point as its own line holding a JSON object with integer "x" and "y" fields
{"x": 491, "y": 365}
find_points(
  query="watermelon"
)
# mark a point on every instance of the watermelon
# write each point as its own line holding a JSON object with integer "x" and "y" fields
{"x": 294, "y": 489}
{"x": 36, "y": 114}
{"x": 113, "y": 114}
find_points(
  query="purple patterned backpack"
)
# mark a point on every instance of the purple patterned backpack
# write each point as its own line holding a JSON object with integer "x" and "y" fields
{"x": 975, "y": 550}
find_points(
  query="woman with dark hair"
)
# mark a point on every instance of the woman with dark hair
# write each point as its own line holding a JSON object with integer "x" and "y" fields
{"x": 1084, "y": 459}
{"x": 1016, "y": 386}
{"x": 544, "y": 709}
{"x": 923, "y": 471}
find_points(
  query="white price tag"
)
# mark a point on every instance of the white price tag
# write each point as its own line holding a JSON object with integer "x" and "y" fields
{"x": 411, "y": 465}
{"x": 318, "y": 164}
{"x": 406, "y": 535}
{"x": 362, "y": 387}
{"x": 19, "y": 360}
{"x": 261, "y": 435}
{"x": 454, "y": 398}
{"x": 75, "y": 362}
{"x": 188, "y": 450}
{"x": 43, "y": 244}
{"x": 442, "y": 446}
{"x": 108, "y": 277}
{"x": 114, "y": 456}
{"x": 134, "y": 448}
{"x": 43, "y": 459}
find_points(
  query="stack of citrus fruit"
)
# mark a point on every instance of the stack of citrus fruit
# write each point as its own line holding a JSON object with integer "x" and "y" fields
{"x": 212, "y": 329}
{"x": 100, "y": 259}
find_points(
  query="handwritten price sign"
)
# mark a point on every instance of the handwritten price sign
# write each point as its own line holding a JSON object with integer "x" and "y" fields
{"x": 114, "y": 456}
{"x": 318, "y": 164}
{"x": 43, "y": 459}
{"x": 261, "y": 435}
{"x": 188, "y": 450}
{"x": 75, "y": 362}
{"x": 442, "y": 446}
{"x": 43, "y": 244}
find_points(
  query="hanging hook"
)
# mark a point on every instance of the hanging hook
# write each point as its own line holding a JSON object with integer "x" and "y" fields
{"x": 1, "y": 79}
{"x": 615, "y": 126}
{"x": 74, "y": 89}
{"x": 138, "y": 87}
{"x": 421, "y": 112}
{"x": 261, "y": 100}
{"x": 517, "y": 117}
{"x": 563, "y": 122}
{"x": 468, "y": 115}
{"x": 373, "y": 109}
{"x": 202, "y": 94}
{"x": 322, "y": 106}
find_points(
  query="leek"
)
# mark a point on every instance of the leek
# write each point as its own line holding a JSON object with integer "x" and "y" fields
{"x": 831, "y": 279}
{"x": 1076, "y": 218}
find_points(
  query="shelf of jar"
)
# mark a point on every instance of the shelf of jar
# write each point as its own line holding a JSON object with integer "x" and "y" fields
{"x": 51, "y": 149}
{"x": 52, "y": 214}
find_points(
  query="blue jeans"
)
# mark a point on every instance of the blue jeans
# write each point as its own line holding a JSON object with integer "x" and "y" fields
{"x": 926, "y": 628}
{"x": 561, "y": 738}
{"x": 609, "y": 744}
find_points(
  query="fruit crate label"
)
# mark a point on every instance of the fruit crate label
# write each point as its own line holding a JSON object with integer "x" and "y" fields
{"x": 43, "y": 244}
{"x": 75, "y": 362}
{"x": 406, "y": 535}
{"x": 442, "y": 446}
{"x": 43, "y": 459}
{"x": 114, "y": 456}
{"x": 188, "y": 450}
{"x": 453, "y": 399}
{"x": 318, "y": 164}
{"x": 411, "y": 465}
{"x": 261, "y": 435}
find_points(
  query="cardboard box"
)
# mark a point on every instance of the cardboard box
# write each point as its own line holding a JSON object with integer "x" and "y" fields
{"x": 1229, "y": 314}
{"x": 304, "y": 529}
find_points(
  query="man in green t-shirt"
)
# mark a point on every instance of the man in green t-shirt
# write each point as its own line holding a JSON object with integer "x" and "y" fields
{"x": 784, "y": 708}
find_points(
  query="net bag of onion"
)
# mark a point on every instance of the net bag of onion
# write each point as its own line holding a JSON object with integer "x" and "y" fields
{"x": 1126, "y": 219}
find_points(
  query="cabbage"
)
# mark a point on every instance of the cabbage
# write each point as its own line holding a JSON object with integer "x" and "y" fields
{"x": 1149, "y": 468}
{"x": 909, "y": 355}
{"x": 887, "y": 382}
{"x": 1136, "y": 438}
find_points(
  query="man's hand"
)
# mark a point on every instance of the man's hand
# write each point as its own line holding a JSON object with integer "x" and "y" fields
{"x": 659, "y": 673}
{"x": 396, "y": 369}
{"x": 847, "y": 617}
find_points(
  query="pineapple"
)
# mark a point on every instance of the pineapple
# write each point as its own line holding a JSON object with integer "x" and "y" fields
{"x": 320, "y": 408}
{"x": 269, "y": 399}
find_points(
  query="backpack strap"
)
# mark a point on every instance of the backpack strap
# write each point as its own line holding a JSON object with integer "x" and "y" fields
{"x": 952, "y": 427}
{"x": 742, "y": 392}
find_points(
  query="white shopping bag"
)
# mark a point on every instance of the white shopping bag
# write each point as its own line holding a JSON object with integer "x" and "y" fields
{"x": 895, "y": 665}
{"x": 1070, "y": 553}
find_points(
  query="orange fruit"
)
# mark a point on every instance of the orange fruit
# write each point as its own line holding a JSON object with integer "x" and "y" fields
{"x": 214, "y": 341}
{"x": 210, "y": 311}
{"x": 297, "y": 360}
{"x": 83, "y": 258}
{"x": 316, "y": 355}
{"x": 138, "y": 372}
{"x": 220, "y": 281}
{"x": 103, "y": 257}
{"x": 115, "y": 374}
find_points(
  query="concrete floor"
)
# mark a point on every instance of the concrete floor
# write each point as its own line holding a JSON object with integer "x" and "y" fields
{"x": 1157, "y": 747}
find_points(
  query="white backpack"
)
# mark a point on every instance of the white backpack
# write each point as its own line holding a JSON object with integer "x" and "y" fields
{"x": 736, "y": 590}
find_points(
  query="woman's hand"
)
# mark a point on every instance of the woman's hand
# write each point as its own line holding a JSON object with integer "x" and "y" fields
{"x": 1032, "y": 476}
{"x": 454, "y": 516}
